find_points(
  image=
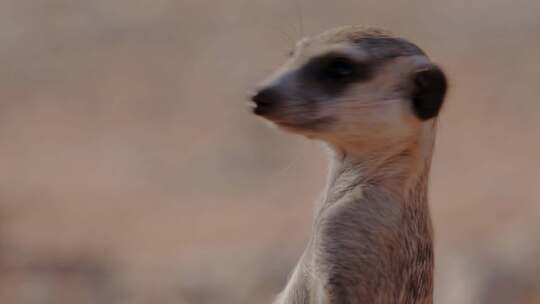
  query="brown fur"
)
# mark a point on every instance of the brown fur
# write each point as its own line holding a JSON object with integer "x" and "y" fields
{"x": 372, "y": 234}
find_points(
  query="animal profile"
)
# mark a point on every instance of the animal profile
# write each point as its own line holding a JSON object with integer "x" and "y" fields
{"x": 373, "y": 98}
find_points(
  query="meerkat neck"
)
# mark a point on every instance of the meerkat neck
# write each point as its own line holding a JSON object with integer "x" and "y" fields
{"x": 376, "y": 219}
{"x": 399, "y": 172}
{"x": 398, "y": 167}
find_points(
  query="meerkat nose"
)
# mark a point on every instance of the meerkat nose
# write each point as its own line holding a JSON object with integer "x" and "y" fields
{"x": 265, "y": 100}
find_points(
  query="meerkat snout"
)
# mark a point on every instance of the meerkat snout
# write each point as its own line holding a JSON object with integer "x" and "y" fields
{"x": 349, "y": 83}
{"x": 266, "y": 100}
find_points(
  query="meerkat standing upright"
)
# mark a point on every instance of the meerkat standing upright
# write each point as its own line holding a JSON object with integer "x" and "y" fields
{"x": 373, "y": 98}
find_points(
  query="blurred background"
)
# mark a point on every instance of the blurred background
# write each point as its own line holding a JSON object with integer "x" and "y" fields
{"x": 132, "y": 171}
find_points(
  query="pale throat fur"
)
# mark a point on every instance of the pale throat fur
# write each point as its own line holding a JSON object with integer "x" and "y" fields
{"x": 373, "y": 98}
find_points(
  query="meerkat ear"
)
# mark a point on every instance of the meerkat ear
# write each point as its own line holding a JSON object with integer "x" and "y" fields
{"x": 428, "y": 92}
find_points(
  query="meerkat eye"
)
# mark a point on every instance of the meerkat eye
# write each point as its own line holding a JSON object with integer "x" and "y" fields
{"x": 339, "y": 69}
{"x": 333, "y": 73}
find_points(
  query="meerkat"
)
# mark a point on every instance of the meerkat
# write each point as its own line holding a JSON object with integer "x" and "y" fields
{"x": 373, "y": 98}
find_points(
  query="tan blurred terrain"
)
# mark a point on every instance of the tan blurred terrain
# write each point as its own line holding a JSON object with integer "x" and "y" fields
{"x": 132, "y": 172}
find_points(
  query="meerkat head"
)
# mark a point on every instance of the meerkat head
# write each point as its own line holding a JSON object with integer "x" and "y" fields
{"x": 353, "y": 85}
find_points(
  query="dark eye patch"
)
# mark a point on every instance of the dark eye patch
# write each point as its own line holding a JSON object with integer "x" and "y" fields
{"x": 334, "y": 72}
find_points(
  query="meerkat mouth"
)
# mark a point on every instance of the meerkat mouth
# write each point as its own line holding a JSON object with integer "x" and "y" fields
{"x": 262, "y": 109}
{"x": 259, "y": 110}
{"x": 270, "y": 112}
